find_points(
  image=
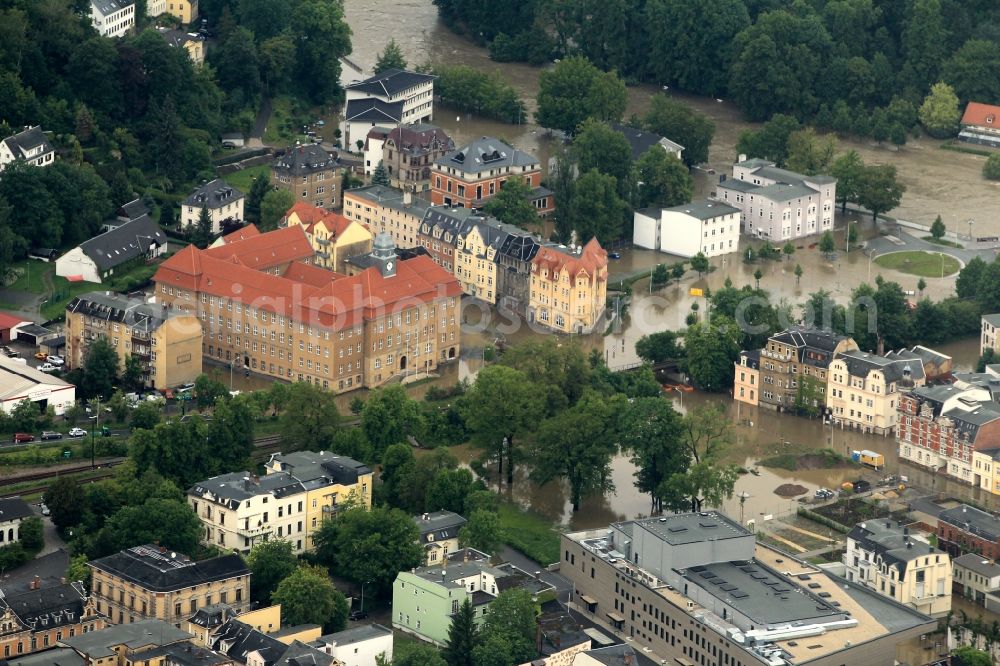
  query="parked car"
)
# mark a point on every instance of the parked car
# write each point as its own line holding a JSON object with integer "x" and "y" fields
{"x": 51, "y": 434}
{"x": 45, "y": 510}
{"x": 357, "y": 615}
{"x": 57, "y": 361}
{"x": 41, "y": 356}
{"x": 824, "y": 494}
{"x": 77, "y": 432}
{"x": 46, "y": 367}
{"x": 21, "y": 437}
{"x": 614, "y": 255}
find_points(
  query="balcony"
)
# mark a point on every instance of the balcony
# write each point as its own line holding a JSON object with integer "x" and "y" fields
{"x": 254, "y": 530}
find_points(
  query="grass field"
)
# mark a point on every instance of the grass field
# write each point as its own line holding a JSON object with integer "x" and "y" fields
{"x": 924, "y": 264}
{"x": 529, "y": 533}
{"x": 243, "y": 179}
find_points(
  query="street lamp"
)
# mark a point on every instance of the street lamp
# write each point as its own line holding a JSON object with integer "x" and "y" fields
{"x": 95, "y": 423}
{"x": 970, "y": 223}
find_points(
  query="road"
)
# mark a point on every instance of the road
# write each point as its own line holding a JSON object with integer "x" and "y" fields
{"x": 256, "y": 138}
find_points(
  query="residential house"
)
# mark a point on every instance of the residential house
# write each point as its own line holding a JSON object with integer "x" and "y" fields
{"x": 361, "y": 262}
{"x": 185, "y": 10}
{"x": 191, "y": 42}
{"x": 569, "y": 287}
{"x": 937, "y": 366}
{"x": 885, "y": 557}
{"x": 36, "y": 616}
{"x": 205, "y": 625}
{"x": 223, "y": 202}
{"x": 864, "y": 389}
{"x": 514, "y": 260}
{"x": 144, "y": 643}
{"x": 698, "y": 588}
{"x": 476, "y": 255}
{"x": 990, "y": 340}
{"x": 13, "y": 511}
{"x": 950, "y": 430}
{"x": 358, "y": 646}
{"x": 966, "y": 529}
{"x": 746, "y": 377}
{"x": 333, "y": 238}
{"x": 30, "y": 145}
{"x": 165, "y": 342}
{"x": 981, "y": 124}
{"x": 425, "y": 599}
{"x": 372, "y": 150}
{"x": 113, "y": 18}
{"x": 794, "y": 366}
{"x": 250, "y": 645}
{"x": 127, "y": 212}
{"x": 407, "y": 153}
{"x": 704, "y": 227}
{"x": 20, "y": 382}
{"x": 977, "y": 579}
{"x": 777, "y": 204}
{"x": 310, "y": 173}
{"x": 640, "y": 141}
{"x": 439, "y": 534}
{"x": 393, "y": 97}
{"x": 387, "y": 210}
{"x": 152, "y": 583}
{"x": 471, "y": 175}
{"x": 264, "y": 309}
{"x": 439, "y": 230}
{"x": 119, "y": 249}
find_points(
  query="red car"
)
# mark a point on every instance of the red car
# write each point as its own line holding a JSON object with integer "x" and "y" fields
{"x": 20, "y": 437}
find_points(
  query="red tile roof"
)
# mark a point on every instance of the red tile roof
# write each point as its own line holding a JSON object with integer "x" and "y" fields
{"x": 311, "y": 216}
{"x": 307, "y": 212}
{"x": 981, "y": 115}
{"x": 590, "y": 261}
{"x": 9, "y": 321}
{"x": 335, "y": 223}
{"x": 300, "y": 294}
{"x": 248, "y": 231}
{"x": 268, "y": 250}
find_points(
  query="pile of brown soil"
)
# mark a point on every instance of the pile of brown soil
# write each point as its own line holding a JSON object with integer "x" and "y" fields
{"x": 790, "y": 490}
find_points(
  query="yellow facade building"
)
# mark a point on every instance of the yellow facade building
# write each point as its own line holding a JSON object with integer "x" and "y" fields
{"x": 569, "y": 287}
{"x": 165, "y": 342}
{"x": 151, "y": 582}
{"x": 387, "y": 210}
{"x": 476, "y": 259}
{"x": 863, "y": 390}
{"x": 185, "y": 10}
{"x": 333, "y": 238}
{"x": 746, "y": 378}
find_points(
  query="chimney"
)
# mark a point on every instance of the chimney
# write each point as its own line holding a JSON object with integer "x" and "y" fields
{"x": 465, "y": 556}
{"x": 742, "y": 157}
{"x": 62, "y": 580}
{"x": 36, "y": 583}
{"x": 407, "y": 198}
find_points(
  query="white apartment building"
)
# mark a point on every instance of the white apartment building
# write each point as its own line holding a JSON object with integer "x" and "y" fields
{"x": 778, "y": 204}
{"x": 863, "y": 390}
{"x": 394, "y": 97}
{"x": 990, "y": 339}
{"x": 113, "y": 18}
{"x": 709, "y": 227}
{"x": 885, "y": 557}
{"x": 223, "y": 201}
{"x": 30, "y": 145}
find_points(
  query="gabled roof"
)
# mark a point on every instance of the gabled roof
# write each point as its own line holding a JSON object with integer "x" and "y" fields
{"x": 374, "y": 110}
{"x": 981, "y": 115}
{"x": 176, "y": 37}
{"x": 134, "y": 313}
{"x": 134, "y": 636}
{"x": 132, "y": 210}
{"x": 303, "y": 160}
{"x": 484, "y": 154}
{"x": 972, "y": 520}
{"x": 300, "y": 654}
{"x": 14, "y": 508}
{"x": 556, "y": 258}
{"x": 237, "y": 640}
{"x": 151, "y": 568}
{"x": 213, "y": 194}
{"x": 18, "y": 381}
{"x": 391, "y": 197}
{"x": 978, "y": 564}
{"x": 895, "y": 366}
{"x": 391, "y": 82}
{"x": 236, "y": 487}
{"x": 32, "y": 137}
{"x": 440, "y": 525}
{"x": 892, "y": 542}
{"x": 125, "y": 243}
{"x": 264, "y": 251}
{"x": 641, "y": 140}
{"x": 353, "y": 635}
{"x": 249, "y": 231}
{"x": 108, "y": 7}
{"x": 419, "y": 139}
{"x": 8, "y": 320}
{"x": 320, "y": 468}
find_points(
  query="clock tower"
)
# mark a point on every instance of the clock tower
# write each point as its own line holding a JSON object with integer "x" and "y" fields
{"x": 384, "y": 255}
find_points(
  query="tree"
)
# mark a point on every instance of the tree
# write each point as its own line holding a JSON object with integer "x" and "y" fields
{"x": 500, "y": 408}
{"x": 597, "y": 146}
{"x": 711, "y": 350}
{"x": 449, "y": 490}
{"x": 207, "y": 391}
{"x": 991, "y": 170}
{"x": 389, "y": 416}
{"x": 650, "y": 432}
{"x": 418, "y": 654}
{"x": 937, "y": 228}
{"x": 658, "y": 347}
{"x": 398, "y": 464}
{"x": 236, "y": 65}
{"x": 939, "y": 114}
{"x": 972, "y": 71}
{"x": 677, "y": 271}
{"x": 273, "y": 207}
{"x": 970, "y": 656}
{"x": 78, "y": 571}
{"x": 100, "y": 369}
{"x": 826, "y": 244}
{"x": 201, "y": 234}
{"x": 390, "y": 58}
{"x": 596, "y": 209}
{"x": 680, "y": 123}
{"x": 699, "y": 262}
{"x": 809, "y": 153}
{"x": 577, "y": 445}
{"x": 261, "y": 186}
{"x": 849, "y": 171}
{"x": 270, "y": 562}
{"x": 512, "y": 205}
{"x": 971, "y": 278}
{"x": 277, "y": 61}
{"x": 171, "y": 522}
{"x": 880, "y": 191}
{"x": 661, "y": 275}
{"x": 663, "y": 180}
{"x": 310, "y": 417}
{"x": 133, "y": 376}
{"x": 921, "y": 285}
{"x": 179, "y": 450}
{"x": 381, "y": 175}
{"x": 788, "y": 249}
{"x": 575, "y": 90}
{"x": 512, "y": 618}
{"x": 771, "y": 141}
{"x": 809, "y": 397}
{"x": 483, "y": 532}
{"x": 370, "y": 547}
{"x": 924, "y": 43}
{"x": 462, "y": 636}
{"x": 307, "y": 596}
{"x": 706, "y": 435}
{"x": 30, "y": 534}
{"x": 322, "y": 37}
{"x": 231, "y": 432}
{"x": 798, "y": 273}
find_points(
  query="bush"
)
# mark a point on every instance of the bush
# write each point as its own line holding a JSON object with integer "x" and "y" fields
{"x": 823, "y": 520}
{"x": 13, "y": 556}
{"x": 991, "y": 169}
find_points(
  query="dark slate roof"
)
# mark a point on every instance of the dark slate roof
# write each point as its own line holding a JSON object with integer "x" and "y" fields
{"x": 641, "y": 140}
{"x": 520, "y": 247}
{"x": 374, "y": 110}
{"x": 183, "y": 653}
{"x": 300, "y": 654}
{"x": 212, "y": 616}
{"x": 972, "y": 520}
{"x": 14, "y": 508}
{"x": 814, "y": 346}
{"x": 753, "y": 358}
{"x": 486, "y": 153}
{"x": 26, "y": 140}
{"x": 213, "y": 194}
{"x": 439, "y": 524}
{"x": 364, "y": 261}
{"x": 106, "y": 7}
{"x": 233, "y": 488}
{"x": 134, "y": 636}
{"x": 978, "y": 564}
{"x": 304, "y": 160}
{"x": 162, "y": 571}
{"x": 704, "y": 209}
{"x": 124, "y": 243}
{"x": 891, "y": 543}
{"x": 450, "y": 220}
{"x": 394, "y": 198}
{"x": 60, "y": 656}
{"x": 419, "y": 139}
{"x": 237, "y": 639}
{"x": 317, "y": 469}
{"x": 894, "y": 366}
{"x": 132, "y": 312}
{"x": 132, "y": 210}
{"x": 48, "y": 607}
{"x": 177, "y": 37}
{"x": 391, "y": 82}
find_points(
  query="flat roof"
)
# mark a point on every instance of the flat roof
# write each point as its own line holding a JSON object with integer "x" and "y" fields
{"x": 19, "y": 380}
{"x": 686, "y": 528}
{"x": 704, "y": 209}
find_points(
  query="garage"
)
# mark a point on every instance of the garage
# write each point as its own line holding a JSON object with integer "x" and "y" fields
{"x": 8, "y": 324}
{"x": 18, "y": 382}
{"x": 33, "y": 334}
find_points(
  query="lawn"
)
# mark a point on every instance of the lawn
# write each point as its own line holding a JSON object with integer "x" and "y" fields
{"x": 31, "y": 274}
{"x": 529, "y": 533}
{"x": 286, "y": 122}
{"x": 924, "y": 264}
{"x": 243, "y": 179}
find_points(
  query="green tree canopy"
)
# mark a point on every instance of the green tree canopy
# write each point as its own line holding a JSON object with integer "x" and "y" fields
{"x": 810, "y": 153}
{"x": 683, "y": 125}
{"x": 270, "y": 562}
{"x": 651, "y": 432}
{"x": 273, "y": 207}
{"x": 390, "y": 58}
{"x": 575, "y": 90}
{"x": 462, "y": 636}
{"x": 483, "y": 532}
{"x": 880, "y": 190}
{"x": 307, "y": 596}
{"x": 659, "y": 347}
{"x": 512, "y": 618}
{"x": 65, "y": 500}
{"x": 939, "y": 114}
{"x": 171, "y": 522}
{"x": 598, "y": 146}
{"x": 100, "y": 369}
{"x": 513, "y": 206}
{"x": 711, "y": 350}
{"x": 849, "y": 170}
{"x": 596, "y": 209}
{"x": 310, "y": 417}
{"x": 662, "y": 179}
{"x": 389, "y": 416}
